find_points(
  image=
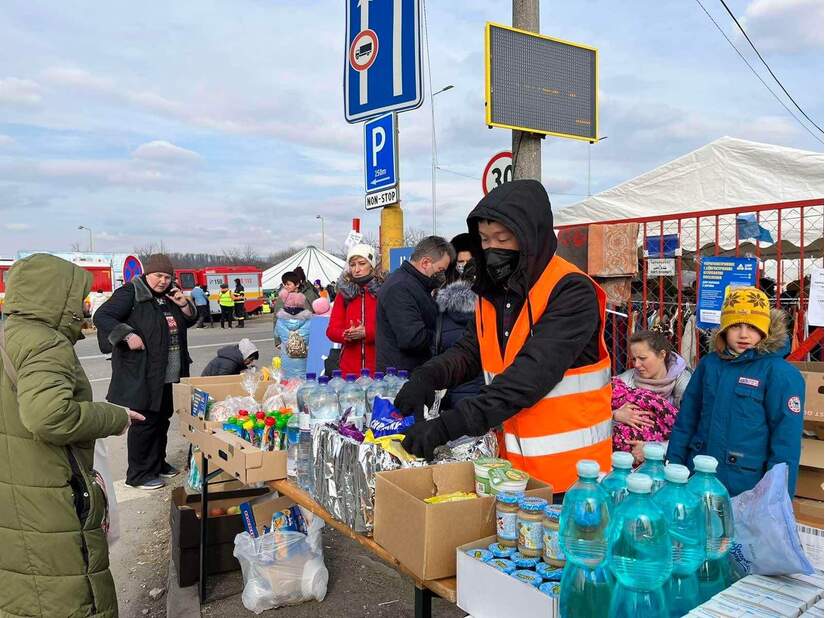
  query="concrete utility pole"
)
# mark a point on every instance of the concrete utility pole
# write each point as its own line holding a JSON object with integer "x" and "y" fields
{"x": 526, "y": 146}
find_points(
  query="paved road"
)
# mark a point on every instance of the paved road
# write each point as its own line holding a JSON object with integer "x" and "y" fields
{"x": 360, "y": 585}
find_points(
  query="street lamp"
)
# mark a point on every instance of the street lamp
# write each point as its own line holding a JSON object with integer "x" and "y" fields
{"x": 435, "y": 158}
{"x": 91, "y": 238}
{"x": 589, "y": 146}
{"x": 322, "y": 230}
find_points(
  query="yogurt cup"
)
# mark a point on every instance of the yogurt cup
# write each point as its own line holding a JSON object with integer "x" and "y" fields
{"x": 528, "y": 577}
{"x": 507, "y": 480}
{"x": 501, "y": 551}
{"x": 483, "y": 466}
{"x": 502, "y": 564}
{"x": 551, "y": 589}
{"x": 480, "y": 554}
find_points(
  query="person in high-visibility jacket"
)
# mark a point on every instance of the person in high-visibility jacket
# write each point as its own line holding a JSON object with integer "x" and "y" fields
{"x": 537, "y": 338}
{"x": 226, "y": 300}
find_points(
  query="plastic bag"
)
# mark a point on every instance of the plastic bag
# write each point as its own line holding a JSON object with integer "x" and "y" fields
{"x": 250, "y": 379}
{"x": 230, "y": 406}
{"x": 194, "y": 481}
{"x": 282, "y": 567}
{"x": 101, "y": 466}
{"x": 280, "y": 395}
{"x": 767, "y": 541}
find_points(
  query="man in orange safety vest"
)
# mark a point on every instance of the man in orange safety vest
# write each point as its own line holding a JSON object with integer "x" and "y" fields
{"x": 537, "y": 338}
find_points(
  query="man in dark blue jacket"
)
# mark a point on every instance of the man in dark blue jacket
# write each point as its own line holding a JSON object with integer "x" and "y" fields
{"x": 407, "y": 313}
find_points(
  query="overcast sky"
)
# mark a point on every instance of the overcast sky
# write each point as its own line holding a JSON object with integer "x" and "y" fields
{"x": 211, "y": 124}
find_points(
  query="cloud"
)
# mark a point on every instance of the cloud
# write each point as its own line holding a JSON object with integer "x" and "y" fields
{"x": 23, "y": 92}
{"x": 17, "y": 227}
{"x": 161, "y": 151}
{"x": 787, "y": 26}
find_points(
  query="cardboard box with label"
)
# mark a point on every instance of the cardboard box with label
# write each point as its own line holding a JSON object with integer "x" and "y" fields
{"x": 423, "y": 537}
{"x": 814, "y": 393}
{"x": 185, "y": 525}
{"x": 485, "y": 592}
{"x": 241, "y": 460}
{"x": 809, "y": 478}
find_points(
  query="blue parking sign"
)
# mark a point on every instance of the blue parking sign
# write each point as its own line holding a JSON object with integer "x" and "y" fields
{"x": 382, "y": 70}
{"x": 380, "y": 160}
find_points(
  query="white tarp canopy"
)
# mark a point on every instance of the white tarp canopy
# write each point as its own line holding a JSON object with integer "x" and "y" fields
{"x": 317, "y": 264}
{"x": 727, "y": 173}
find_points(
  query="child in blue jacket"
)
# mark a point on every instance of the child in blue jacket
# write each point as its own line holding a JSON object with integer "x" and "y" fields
{"x": 744, "y": 404}
{"x": 292, "y": 328}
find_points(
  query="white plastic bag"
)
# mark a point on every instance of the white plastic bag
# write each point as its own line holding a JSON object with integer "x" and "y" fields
{"x": 282, "y": 567}
{"x": 101, "y": 466}
{"x": 767, "y": 541}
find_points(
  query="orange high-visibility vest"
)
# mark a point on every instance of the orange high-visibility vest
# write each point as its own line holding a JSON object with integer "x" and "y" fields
{"x": 571, "y": 422}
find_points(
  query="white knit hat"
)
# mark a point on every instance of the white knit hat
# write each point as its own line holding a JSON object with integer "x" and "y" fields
{"x": 364, "y": 251}
{"x": 247, "y": 348}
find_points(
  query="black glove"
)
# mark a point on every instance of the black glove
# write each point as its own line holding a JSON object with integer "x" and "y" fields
{"x": 422, "y": 438}
{"x": 412, "y": 398}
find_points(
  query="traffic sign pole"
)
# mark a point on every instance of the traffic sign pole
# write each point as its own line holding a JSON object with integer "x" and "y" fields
{"x": 526, "y": 146}
{"x": 392, "y": 232}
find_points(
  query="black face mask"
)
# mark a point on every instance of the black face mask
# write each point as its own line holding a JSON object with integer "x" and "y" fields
{"x": 438, "y": 279}
{"x": 293, "y": 310}
{"x": 363, "y": 280}
{"x": 501, "y": 263}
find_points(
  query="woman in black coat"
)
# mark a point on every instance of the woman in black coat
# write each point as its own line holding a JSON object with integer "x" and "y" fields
{"x": 144, "y": 325}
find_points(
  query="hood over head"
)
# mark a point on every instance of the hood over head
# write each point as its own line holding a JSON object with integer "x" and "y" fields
{"x": 523, "y": 207}
{"x": 231, "y": 352}
{"x": 777, "y": 341}
{"x": 457, "y": 297}
{"x": 47, "y": 289}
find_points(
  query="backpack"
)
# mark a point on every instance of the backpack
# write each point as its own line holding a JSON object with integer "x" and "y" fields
{"x": 296, "y": 347}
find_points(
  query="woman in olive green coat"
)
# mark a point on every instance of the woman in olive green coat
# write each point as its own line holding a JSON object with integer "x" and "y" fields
{"x": 54, "y": 559}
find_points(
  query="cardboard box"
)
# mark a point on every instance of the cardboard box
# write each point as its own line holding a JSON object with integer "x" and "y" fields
{"x": 485, "y": 592}
{"x": 185, "y": 524}
{"x": 182, "y": 392}
{"x": 809, "y": 483}
{"x": 240, "y": 459}
{"x": 812, "y": 453}
{"x": 809, "y": 512}
{"x": 423, "y": 537}
{"x": 812, "y": 372}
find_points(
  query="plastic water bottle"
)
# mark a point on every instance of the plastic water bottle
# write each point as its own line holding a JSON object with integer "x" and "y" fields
{"x": 654, "y": 465}
{"x": 305, "y": 471}
{"x": 303, "y": 392}
{"x": 713, "y": 573}
{"x": 390, "y": 378}
{"x": 323, "y": 403}
{"x": 615, "y": 483}
{"x": 686, "y": 523}
{"x": 293, "y": 436}
{"x": 393, "y": 383}
{"x": 640, "y": 553}
{"x": 336, "y": 382}
{"x": 583, "y": 527}
{"x": 364, "y": 381}
{"x": 376, "y": 389}
{"x": 352, "y": 399}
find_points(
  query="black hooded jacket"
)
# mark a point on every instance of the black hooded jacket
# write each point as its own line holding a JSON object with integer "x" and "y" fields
{"x": 565, "y": 336}
{"x": 228, "y": 362}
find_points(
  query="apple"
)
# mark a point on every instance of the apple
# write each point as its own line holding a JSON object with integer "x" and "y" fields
{"x": 233, "y": 510}
{"x": 217, "y": 511}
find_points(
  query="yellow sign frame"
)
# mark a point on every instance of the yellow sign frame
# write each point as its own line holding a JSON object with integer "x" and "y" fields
{"x": 488, "y": 110}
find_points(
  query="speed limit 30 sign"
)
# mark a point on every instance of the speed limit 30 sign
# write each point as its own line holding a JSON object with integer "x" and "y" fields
{"x": 497, "y": 171}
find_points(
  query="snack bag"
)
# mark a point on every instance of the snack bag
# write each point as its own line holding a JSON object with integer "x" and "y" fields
{"x": 386, "y": 420}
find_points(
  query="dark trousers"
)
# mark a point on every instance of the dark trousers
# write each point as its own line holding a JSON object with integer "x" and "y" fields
{"x": 146, "y": 442}
{"x": 226, "y": 315}
{"x": 204, "y": 315}
{"x": 240, "y": 313}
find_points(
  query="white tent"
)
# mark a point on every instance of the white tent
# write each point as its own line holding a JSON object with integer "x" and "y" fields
{"x": 727, "y": 173}
{"x": 317, "y": 264}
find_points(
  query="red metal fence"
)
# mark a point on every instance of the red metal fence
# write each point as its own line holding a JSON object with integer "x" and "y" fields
{"x": 785, "y": 266}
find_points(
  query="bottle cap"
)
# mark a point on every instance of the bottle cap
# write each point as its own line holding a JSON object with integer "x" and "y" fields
{"x": 639, "y": 483}
{"x": 677, "y": 473}
{"x": 403, "y": 374}
{"x": 365, "y": 373}
{"x": 323, "y": 380}
{"x": 351, "y": 377}
{"x": 622, "y": 460}
{"x": 588, "y": 469}
{"x": 336, "y": 373}
{"x": 654, "y": 450}
{"x": 379, "y": 375}
{"x": 392, "y": 371}
{"x": 705, "y": 463}
{"x": 310, "y": 376}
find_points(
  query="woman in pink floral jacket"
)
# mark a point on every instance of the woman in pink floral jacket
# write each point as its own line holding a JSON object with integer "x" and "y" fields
{"x": 646, "y": 398}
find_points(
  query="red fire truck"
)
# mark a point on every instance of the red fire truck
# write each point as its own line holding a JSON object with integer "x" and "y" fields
{"x": 214, "y": 276}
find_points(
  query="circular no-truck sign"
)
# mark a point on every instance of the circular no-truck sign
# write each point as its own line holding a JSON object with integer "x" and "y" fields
{"x": 364, "y": 50}
{"x": 132, "y": 268}
{"x": 499, "y": 169}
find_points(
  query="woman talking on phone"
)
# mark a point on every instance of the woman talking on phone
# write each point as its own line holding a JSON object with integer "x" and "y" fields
{"x": 144, "y": 325}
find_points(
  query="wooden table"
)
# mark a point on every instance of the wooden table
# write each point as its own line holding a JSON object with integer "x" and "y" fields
{"x": 424, "y": 589}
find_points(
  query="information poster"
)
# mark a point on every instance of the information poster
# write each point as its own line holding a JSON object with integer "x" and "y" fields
{"x": 715, "y": 275}
{"x": 816, "y": 304}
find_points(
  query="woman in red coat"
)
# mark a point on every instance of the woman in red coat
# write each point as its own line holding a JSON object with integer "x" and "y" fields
{"x": 352, "y": 323}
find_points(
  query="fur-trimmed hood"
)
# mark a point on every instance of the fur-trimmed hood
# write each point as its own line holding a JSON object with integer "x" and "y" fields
{"x": 349, "y": 289}
{"x": 458, "y": 297}
{"x": 776, "y": 342}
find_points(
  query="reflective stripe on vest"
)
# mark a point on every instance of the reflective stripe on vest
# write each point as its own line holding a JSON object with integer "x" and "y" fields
{"x": 571, "y": 384}
{"x": 559, "y": 442}
{"x": 570, "y": 422}
{"x": 225, "y": 299}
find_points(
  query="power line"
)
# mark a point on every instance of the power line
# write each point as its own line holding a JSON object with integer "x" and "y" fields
{"x": 759, "y": 77}
{"x": 748, "y": 39}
